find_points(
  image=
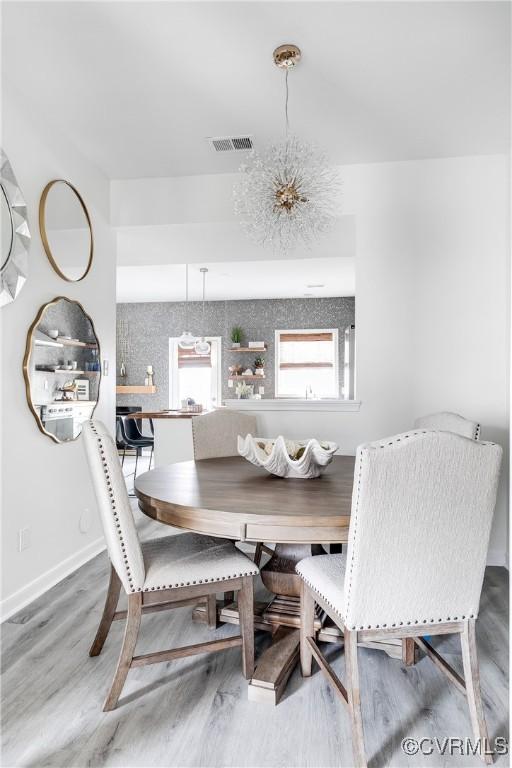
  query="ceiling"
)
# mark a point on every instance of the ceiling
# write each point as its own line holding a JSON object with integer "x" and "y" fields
{"x": 232, "y": 280}
{"x": 138, "y": 86}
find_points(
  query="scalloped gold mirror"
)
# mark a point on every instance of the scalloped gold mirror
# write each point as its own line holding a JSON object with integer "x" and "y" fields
{"x": 62, "y": 369}
{"x": 66, "y": 230}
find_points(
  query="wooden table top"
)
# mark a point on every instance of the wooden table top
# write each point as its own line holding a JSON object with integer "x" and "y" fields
{"x": 232, "y": 498}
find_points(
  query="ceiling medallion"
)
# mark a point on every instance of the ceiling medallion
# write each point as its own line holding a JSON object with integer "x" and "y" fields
{"x": 288, "y": 194}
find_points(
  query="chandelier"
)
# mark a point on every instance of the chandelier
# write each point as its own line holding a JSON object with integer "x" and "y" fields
{"x": 288, "y": 194}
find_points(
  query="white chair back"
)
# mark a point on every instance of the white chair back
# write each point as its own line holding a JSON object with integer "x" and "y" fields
{"x": 449, "y": 422}
{"x": 116, "y": 515}
{"x": 216, "y": 434}
{"x": 422, "y": 509}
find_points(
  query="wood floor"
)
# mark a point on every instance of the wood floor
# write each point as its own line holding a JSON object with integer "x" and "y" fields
{"x": 195, "y": 712}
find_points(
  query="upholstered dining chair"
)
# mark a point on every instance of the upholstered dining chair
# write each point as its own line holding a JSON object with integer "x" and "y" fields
{"x": 162, "y": 573}
{"x": 422, "y": 509}
{"x": 215, "y": 435}
{"x": 449, "y": 422}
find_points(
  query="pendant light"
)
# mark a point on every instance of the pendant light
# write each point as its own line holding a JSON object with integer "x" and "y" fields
{"x": 186, "y": 340}
{"x": 202, "y": 347}
{"x": 288, "y": 195}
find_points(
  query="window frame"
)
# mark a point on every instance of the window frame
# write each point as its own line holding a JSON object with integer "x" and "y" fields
{"x": 277, "y": 348}
{"x": 216, "y": 359}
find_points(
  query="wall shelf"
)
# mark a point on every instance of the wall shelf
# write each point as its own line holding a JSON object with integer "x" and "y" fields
{"x": 253, "y": 377}
{"x": 73, "y": 371}
{"x": 136, "y": 389}
{"x": 248, "y": 349}
{"x": 75, "y": 343}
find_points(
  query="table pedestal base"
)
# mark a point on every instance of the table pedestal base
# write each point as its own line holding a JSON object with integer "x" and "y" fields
{"x": 281, "y": 616}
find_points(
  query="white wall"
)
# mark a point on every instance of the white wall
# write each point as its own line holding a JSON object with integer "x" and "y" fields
{"x": 431, "y": 314}
{"x": 191, "y": 219}
{"x": 432, "y": 306}
{"x": 46, "y": 486}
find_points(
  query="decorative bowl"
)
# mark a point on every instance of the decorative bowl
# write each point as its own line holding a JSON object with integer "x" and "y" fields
{"x": 288, "y": 458}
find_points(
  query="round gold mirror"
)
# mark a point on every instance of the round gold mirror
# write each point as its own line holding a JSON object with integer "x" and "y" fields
{"x": 66, "y": 230}
{"x": 62, "y": 369}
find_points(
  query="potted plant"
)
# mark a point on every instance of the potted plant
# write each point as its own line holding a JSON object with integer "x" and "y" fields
{"x": 259, "y": 365}
{"x": 236, "y": 336}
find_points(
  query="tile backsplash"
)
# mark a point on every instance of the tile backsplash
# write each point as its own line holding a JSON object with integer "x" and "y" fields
{"x": 144, "y": 330}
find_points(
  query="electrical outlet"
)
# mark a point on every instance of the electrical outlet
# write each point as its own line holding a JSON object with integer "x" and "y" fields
{"x": 24, "y": 539}
{"x": 85, "y": 521}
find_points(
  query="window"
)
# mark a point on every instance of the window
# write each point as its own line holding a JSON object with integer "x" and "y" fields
{"x": 307, "y": 363}
{"x": 193, "y": 375}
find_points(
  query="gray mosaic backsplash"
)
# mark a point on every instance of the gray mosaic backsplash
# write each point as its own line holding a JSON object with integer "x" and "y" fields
{"x": 144, "y": 330}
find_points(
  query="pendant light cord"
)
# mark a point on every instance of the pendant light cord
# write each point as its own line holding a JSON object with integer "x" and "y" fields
{"x": 186, "y": 297}
{"x": 204, "y": 278}
{"x": 286, "y": 102}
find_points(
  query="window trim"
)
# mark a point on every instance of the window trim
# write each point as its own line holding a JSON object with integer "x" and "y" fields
{"x": 277, "y": 344}
{"x": 216, "y": 353}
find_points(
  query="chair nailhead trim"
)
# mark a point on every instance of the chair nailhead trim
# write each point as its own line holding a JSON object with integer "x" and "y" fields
{"x": 202, "y": 581}
{"x": 361, "y": 452}
{"x": 110, "y": 491}
{"x": 416, "y": 622}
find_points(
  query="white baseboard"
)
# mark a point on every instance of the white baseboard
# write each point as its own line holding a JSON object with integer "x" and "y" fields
{"x": 15, "y": 602}
{"x": 497, "y": 557}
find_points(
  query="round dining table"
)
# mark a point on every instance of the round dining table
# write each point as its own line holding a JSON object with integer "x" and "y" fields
{"x": 233, "y": 499}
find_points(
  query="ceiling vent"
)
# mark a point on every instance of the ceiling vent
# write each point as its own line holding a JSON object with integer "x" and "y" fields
{"x": 230, "y": 143}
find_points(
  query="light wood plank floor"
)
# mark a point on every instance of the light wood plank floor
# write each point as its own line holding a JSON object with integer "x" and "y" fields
{"x": 194, "y": 712}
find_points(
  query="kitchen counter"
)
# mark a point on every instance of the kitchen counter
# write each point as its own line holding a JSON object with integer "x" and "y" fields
{"x": 162, "y": 415}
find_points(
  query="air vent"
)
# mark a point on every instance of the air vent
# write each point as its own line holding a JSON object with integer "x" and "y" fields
{"x": 230, "y": 143}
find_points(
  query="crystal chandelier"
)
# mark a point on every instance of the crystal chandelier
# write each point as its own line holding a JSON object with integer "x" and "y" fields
{"x": 202, "y": 347}
{"x": 288, "y": 194}
{"x": 186, "y": 340}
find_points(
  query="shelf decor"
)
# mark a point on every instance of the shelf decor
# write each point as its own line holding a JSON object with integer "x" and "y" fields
{"x": 236, "y": 338}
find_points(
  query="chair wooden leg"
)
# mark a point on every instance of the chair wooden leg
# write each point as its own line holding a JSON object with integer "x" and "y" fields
{"x": 258, "y": 552}
{"x": 354, "y": 698}
{"x": 474, "y": 695}
{"x": 111, "y": 600}
{"x": 408, "y": 651}
{"x": 246, "y": 612}
{"x": 307, "y": 628}
{"x": 130, "y": 640}
{"x": 211, "y": 611}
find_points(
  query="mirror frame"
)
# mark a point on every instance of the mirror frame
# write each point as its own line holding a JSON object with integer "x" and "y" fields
{"x": 14, "y": 266}
{"x": 44, "y": 236}
{"x": 28, "y": 355}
